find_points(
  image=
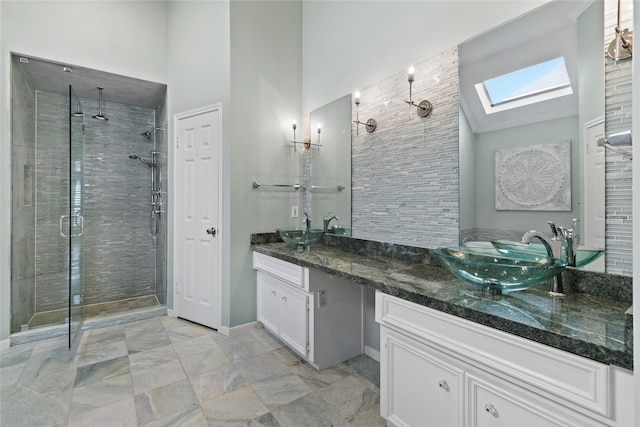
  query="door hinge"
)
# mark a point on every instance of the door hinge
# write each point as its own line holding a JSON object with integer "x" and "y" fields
{"x": 308, "y": 349}
{"x": 308, "y": 307}
{"x": 177, "y": 288}
{"x": 177, "y": 142}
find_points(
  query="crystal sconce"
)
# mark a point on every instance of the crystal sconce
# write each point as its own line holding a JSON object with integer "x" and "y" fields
{"x": 370, "y": 124}
{"x": 424, "y": 107}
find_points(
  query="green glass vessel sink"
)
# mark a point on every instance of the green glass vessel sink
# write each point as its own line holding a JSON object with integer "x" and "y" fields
{"x": 298, "y": 236}
{"x": 513, "y": 271}
{"x": 340, "y": 231}
{"x": 584, "y": 254}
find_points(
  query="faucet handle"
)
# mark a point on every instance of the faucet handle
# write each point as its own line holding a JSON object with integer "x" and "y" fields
{"x": 554, "y": 229}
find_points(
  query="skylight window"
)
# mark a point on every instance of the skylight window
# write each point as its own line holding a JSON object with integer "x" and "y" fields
{"x": 526, "y": 86}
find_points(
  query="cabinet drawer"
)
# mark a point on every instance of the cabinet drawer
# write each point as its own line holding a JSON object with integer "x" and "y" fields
{"x": 577, "y": 382}
{"x": 291, "y": 273}
{"x": 494, "y": 403}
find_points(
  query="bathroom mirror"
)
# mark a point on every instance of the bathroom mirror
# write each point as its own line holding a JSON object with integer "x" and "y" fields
{"x": 573, "y": 31}
{"x": 331, "y": 164}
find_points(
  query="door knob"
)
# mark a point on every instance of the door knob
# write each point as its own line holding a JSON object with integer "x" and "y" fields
{"x": 211, "y": 231}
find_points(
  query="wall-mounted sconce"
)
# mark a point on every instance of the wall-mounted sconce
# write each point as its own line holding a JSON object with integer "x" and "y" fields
{"x": 424, "y": 107}
{"x": 306, "y": 142}
{"x": 370, "y": 124}
{"x": 616, "y": 140}
{"x": 621, "y": 47}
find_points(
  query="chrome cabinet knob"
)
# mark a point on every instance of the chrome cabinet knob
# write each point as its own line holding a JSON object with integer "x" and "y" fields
{"x": 491, "y": 409}
{"x": 211, "y": 231}
{"x": 443, "y": 385}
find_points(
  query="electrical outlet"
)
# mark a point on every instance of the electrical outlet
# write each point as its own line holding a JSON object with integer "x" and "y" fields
{"x": 294, "y": 211}
{"x": 322, "y": 298}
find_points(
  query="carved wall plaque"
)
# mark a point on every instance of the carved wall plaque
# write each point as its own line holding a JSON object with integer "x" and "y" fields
{"x": 534, "y": 177}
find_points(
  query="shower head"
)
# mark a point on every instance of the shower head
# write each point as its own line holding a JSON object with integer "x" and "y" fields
{"x": 146, "y": 162}
{"x": 100, "y": 116}
{"x": 147, "y": 134}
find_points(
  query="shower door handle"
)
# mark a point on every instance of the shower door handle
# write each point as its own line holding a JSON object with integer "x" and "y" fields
{"x": 76, "y": 215}
{"x": 212, "y": 231}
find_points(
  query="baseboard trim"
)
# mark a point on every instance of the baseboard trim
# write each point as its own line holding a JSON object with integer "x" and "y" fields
{"x": 372, "y": 353}
{"x": 237, "y": 330}
{"x": 5, "y": 344}
{"x": 171, "y": 313}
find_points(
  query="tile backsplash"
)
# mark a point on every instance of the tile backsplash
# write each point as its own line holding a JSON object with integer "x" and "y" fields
{"x": 618, "y": 170}
{"x": 405, "y": 185}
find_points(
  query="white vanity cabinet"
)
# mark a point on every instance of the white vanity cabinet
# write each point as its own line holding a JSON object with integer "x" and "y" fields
{"x": 438, "y": 369}
{"x": 317, "y": 315}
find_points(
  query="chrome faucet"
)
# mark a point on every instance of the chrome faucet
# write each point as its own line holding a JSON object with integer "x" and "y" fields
{"x": 307, "y": 223}
{"x": 554, "y": 246}
{"x": 327, "y": 219}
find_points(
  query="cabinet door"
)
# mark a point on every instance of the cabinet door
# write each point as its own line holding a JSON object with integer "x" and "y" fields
{"x": 494, "y": 403}
{"x": 294, "y": 318}
{"x": 419, "y": 385}
{"x": 268, "y": 301}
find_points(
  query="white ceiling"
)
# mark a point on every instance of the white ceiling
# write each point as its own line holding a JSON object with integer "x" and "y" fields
{"x": 51, "y": 77}
{"x": 543, "y": 34}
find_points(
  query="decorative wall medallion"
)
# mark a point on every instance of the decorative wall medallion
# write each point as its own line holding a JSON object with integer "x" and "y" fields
{"x": 534, "y": 177}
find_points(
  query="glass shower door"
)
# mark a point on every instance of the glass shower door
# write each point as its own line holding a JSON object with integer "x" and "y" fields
{"x": 75, "y": 219}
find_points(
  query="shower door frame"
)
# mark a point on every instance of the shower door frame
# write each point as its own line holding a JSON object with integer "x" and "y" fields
{"x": 75, "y": 218}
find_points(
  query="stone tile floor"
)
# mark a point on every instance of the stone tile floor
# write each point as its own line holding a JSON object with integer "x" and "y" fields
{"x": 170, "y": 372}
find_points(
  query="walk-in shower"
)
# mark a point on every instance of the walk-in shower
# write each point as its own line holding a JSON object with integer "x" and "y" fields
{"x": 80, "y": 216}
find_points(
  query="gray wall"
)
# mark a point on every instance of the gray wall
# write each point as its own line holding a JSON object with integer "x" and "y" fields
{"x": 493, "y": 224}
{"x": 266, "y": 43}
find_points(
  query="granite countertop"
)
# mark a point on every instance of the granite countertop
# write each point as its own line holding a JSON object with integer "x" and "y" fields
{"x": 591, "y": 326}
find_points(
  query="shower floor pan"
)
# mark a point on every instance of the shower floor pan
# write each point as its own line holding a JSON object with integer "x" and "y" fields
{"x": 55, "y": 323}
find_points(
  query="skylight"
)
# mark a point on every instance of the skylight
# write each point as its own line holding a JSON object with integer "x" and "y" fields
{"x": 536, "y": 83}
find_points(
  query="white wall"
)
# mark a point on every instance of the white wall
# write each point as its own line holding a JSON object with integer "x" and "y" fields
{"x": 353, "y": 44}
{"x": 124, "y": 38}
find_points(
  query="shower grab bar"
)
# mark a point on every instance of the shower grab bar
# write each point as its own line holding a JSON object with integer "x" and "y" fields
{"x": 76, "y": 215}
{"x": 321, "y": 188}
{"x": 256, "y": 184}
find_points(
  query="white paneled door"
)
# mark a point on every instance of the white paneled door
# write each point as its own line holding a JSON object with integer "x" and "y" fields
{"x": 594, "y": 191}
{"x": 198, "y": 202}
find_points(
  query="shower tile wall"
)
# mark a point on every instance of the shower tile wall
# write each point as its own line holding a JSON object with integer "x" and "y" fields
{"x": 405, "y": 174}
{"x": 118, "y": 250}
{"x": 52, "y": 197}
{"x": 618, "y": 170}
{"x": 23, "y": 199}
